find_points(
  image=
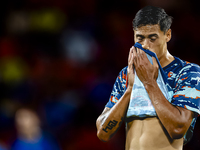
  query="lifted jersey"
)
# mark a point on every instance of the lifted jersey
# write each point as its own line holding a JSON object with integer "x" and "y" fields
{"x": 183, "y": 78}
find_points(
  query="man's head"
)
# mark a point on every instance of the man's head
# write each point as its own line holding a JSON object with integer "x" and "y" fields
{"x": 151, "y": 27}
{"x": 151, "y": 15}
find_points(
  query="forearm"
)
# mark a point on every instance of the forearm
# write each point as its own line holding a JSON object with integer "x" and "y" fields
{"x": 176, "y": 120}
{"x": 109, "y": 122}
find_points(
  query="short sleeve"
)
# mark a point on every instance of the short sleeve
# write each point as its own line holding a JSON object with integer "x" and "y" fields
{"x": 187, "y": 88}
{"x": 119, "y": 88}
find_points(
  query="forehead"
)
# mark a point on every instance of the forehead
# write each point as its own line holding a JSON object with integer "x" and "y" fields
{"x": 148, "y": 29}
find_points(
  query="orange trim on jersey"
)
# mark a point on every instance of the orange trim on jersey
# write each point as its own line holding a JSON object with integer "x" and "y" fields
{"x": 188, "y": 87}
{"x": 111, "y": 99}
{"x": 178, "y": 95}
{"x": 170, "y": 74}
{"x": 184, "y": 78}
{"x": 124, "y": 76}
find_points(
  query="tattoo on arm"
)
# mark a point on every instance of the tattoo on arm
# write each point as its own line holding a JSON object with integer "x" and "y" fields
{"x": 110, "y": 125}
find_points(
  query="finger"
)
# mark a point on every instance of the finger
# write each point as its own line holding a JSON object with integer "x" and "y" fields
{"x": 134, "y": 56}
{"x": 140, "y": 53}
{"x": 130, "y": 62}
{"x": 130, "y": 53}
{"x": 155, "y": 63}
{"x": 143, "y": 56}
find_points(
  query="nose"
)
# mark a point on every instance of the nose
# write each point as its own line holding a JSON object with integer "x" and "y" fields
{"x": 145, "y": 44}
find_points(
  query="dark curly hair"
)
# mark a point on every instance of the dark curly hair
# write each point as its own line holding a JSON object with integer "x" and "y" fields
{"x": 151, "y": 15}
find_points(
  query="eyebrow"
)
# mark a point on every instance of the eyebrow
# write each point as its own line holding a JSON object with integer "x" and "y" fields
{"x": 149, "y": 36}
{"x": 139, "y": 35}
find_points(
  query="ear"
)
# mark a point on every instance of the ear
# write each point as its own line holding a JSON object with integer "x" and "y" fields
{"x": 168, "y": 35}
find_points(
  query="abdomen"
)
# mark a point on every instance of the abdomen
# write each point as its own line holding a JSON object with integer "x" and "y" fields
{"x": 149, "y": 134}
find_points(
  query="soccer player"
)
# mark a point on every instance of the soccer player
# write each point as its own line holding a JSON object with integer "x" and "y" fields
{"x": 173, "y": 124}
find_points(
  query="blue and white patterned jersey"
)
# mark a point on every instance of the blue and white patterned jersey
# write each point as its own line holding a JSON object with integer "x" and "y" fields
{"x": 184, "y": 80}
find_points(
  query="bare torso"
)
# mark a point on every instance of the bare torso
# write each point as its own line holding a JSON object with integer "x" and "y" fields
{"x": 149, "y": 134}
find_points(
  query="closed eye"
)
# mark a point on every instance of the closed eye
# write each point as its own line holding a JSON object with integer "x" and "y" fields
{"x": 153, "y": 39}
{"x": 140, "y": 37}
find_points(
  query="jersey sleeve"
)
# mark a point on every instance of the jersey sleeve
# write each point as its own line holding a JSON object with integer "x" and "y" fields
{"x": 119, "y": 88}
{"x": 187, "y": 88}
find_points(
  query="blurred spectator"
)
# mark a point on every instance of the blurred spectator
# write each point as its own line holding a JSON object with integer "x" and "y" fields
{"x": 30, "y": 135}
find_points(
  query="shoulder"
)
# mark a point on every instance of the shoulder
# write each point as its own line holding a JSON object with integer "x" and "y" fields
{"x": 187, "y": 87}
{"x": 124, "y": 70}
{"x": 182, "y": 67}
{"x": 188, "y": 75}
{"x": 190, "y": 70}
{"x": 182, "y": 72}
{"x": 123, "y": 74}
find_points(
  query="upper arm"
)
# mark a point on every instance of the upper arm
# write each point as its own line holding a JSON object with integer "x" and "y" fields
{"x": 187, "y": 89}
{"x": 119, "y": 88}
{"x": 187, "y": 97}
{"x": 186, "y": 117}
{"x": 185, "y": 124}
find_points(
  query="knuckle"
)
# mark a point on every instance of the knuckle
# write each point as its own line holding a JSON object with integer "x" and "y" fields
{"x": 134, "y": 58}
{"x": 136, "y": 67}
{"x": 156, "y": 66}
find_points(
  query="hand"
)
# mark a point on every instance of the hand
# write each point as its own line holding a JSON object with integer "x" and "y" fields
{"x": 131, "y": 74}
{"x": 146, "y": 72}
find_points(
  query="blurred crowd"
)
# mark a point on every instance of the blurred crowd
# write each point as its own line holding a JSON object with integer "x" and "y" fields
{"x": 59, "y": 60}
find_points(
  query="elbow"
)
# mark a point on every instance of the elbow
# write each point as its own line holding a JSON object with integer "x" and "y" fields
{"x": 103, "y": 137}
{"x": 177, "y": 133}
{"x": 100, "y": 134}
